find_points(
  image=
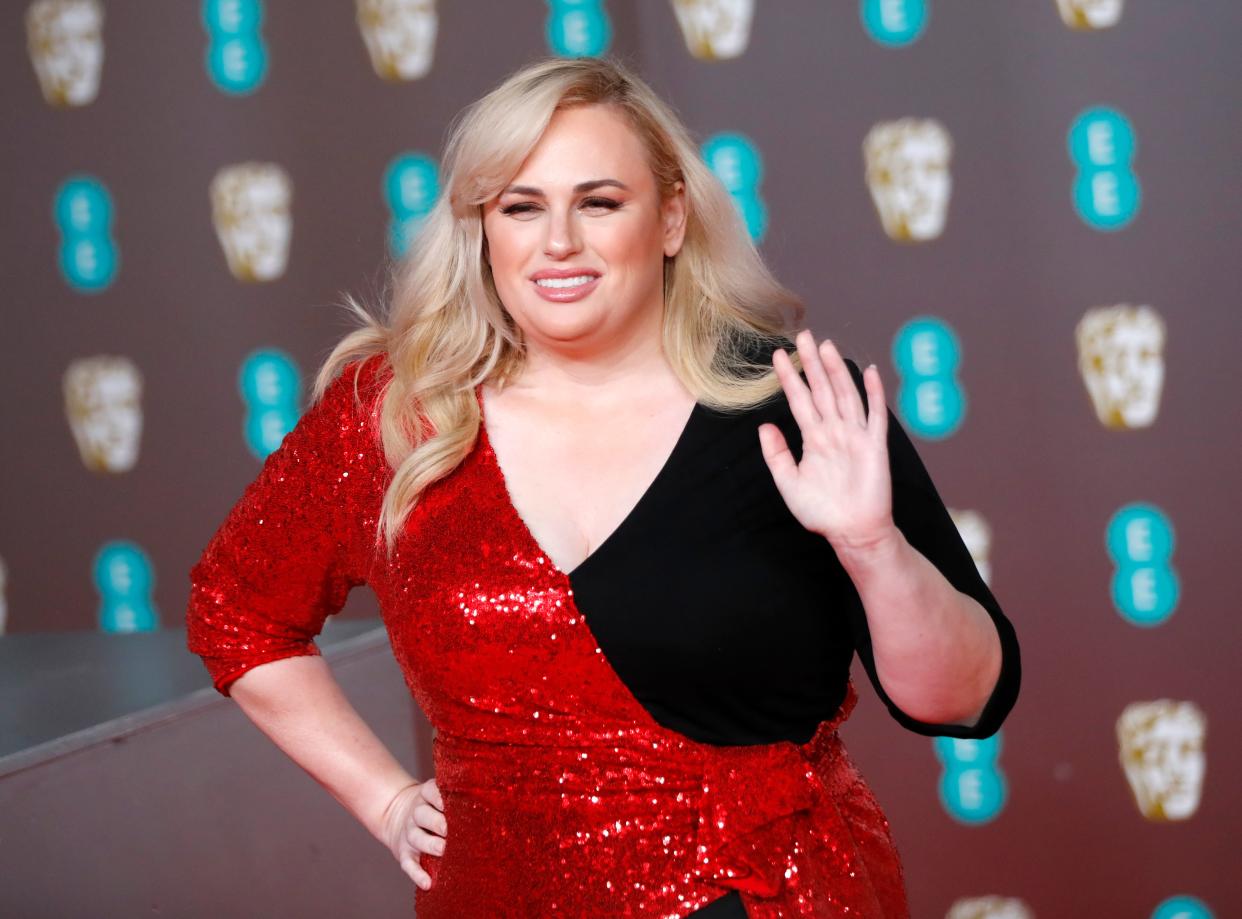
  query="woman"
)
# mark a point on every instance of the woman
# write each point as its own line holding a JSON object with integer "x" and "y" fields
{"x": 626, "y": 536}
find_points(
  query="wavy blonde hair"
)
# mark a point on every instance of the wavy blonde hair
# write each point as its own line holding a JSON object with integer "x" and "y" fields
{"x": 445, "y": 330}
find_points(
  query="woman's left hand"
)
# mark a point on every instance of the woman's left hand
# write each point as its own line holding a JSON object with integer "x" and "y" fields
{"x": 842, "y": 488}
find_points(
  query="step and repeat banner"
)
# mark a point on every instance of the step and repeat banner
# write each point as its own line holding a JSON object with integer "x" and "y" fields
{"x": 1024, "y": 211}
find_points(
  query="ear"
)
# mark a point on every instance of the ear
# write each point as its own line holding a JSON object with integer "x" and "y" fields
{"x": 673, "y": 217}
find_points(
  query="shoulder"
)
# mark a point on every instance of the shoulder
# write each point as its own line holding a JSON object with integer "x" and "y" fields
{"x": 346, "y": 417}
{"x": 359, "y": 385}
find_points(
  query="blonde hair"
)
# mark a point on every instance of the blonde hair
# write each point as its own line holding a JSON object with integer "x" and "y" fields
{"x": 446, "y": 330}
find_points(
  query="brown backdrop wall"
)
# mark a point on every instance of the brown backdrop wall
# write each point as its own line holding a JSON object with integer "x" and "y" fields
{"x": 1012, "y": 273}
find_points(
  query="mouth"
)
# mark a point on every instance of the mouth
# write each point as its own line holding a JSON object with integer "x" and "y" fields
{"x": 562, "y": 290}
{"x": 567, "y": 281}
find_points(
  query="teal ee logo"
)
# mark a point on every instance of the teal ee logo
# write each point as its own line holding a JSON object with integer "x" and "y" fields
{"x": 411, "y": 187}
{"x": 972, "y": 787}
{"x": 236, "y": 54}
{"x": 269, "y": 382}
{"x": 88, "y": 256}
{"x": 1106, "y": 190}
{"x": 578, "y": 28}
{"x": 893, "y": 23}
{"x": 930, "y": 398}
{"x": 1145, "y": 586}
{"x": 123, "y": 578}
{"x": 1182, "y": 907}
{"x": 735, "y": 160}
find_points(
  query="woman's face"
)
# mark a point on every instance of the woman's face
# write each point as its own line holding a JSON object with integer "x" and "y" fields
{"x": 584, "y": 205}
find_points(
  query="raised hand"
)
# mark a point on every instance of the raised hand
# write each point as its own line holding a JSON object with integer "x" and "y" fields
{"x": 841, "y": 488}
{"x": 414, "y": 824}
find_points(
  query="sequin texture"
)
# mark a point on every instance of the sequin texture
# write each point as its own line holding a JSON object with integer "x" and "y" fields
{"x": 563, "y": 796}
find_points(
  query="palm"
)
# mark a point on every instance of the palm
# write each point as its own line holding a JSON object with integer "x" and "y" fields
{"x": 841, "y": 488}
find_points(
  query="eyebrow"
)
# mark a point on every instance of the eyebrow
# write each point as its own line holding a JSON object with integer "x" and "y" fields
{"x": 578, "y": 189}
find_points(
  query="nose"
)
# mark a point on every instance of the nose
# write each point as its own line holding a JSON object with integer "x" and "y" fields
{"x": 563, "y": 234}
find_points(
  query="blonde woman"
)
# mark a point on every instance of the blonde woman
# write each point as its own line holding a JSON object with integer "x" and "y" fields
{"x": 627, "y": 531}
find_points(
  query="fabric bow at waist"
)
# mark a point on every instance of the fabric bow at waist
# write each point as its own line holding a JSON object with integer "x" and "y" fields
{"x": 751, "y": 796}
{"x": 781, "y": 823}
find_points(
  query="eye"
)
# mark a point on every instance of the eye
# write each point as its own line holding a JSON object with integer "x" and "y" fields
{"x": 524, "y": 207}
{"x": 520, "y": 208}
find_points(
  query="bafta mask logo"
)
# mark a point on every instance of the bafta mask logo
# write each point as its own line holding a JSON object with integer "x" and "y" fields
{"x": 989, "y": 908}
{"x": 65, "y": 40}
{"x": 1161, "y": 751}
{"x": 977, "y": 535}
{"x": 250, "y": 207}
{"x": 1121, "y": 359}
{"x": 103, "y": 402}
{"x": 400, "y": 36}
{"x": 1088, "y": 15}
{"x": 577, "y": 28}
{"x": 715, "y": 30}
{"x": 907, "y": 171}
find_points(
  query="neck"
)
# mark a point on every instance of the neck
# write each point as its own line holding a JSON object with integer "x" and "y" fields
{"x": 600, "y": 367}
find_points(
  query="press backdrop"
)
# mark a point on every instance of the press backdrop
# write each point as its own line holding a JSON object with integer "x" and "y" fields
{"x": 1026, "y": 213}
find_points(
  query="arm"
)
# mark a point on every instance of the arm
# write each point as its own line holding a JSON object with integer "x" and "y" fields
{"x": 936, "y": 652}
{"x": 936, "y": 646}
{"x": 299, "y": 705}
{"x": 283, "y": 560}
{"x": 932, "y": 637}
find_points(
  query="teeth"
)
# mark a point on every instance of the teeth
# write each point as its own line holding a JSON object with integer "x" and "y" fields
{"x": 565, "y": 282}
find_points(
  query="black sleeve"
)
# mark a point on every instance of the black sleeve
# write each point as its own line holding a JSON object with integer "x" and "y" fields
{"x": 925, "y": 522}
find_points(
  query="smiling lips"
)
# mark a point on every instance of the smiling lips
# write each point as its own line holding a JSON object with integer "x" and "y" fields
{"x": 565, "y": 285}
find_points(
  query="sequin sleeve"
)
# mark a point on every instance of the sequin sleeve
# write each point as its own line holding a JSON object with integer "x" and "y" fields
{"x": 923, "y": 519}
{"x": 295, "y": 543}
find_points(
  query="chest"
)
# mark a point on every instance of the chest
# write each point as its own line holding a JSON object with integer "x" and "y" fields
{"x": 574, "y": 478}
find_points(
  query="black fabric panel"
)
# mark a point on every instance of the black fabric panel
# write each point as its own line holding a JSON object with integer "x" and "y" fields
{"x": 727, "y": 907}
{"x": 732, "y": 624}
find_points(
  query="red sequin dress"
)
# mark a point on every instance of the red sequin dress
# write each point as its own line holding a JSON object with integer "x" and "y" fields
{"x": 563, "y": 794}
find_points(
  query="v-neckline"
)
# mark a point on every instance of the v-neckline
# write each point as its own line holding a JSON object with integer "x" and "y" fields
{"x": 494, "y": 462}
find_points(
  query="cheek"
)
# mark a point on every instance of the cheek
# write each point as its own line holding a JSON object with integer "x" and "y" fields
{"x": 504, "y": 249}
{"x": 636, "y": 248}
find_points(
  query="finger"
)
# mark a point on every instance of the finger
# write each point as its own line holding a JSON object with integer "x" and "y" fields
{"x": 848, "y": 402}
{"x": 429, "y": 818}
{"x": 877, "y": 417}
{"x": 431, "y": 792}
{"x": 777, "y": 455}
{"x": 821, "y": 386}
{"x": 410, "y": 866}
{"x": 799, "y": 397}
{"x": 422, "y": 841}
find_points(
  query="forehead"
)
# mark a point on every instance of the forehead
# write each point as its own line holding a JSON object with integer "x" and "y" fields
{"x": 584, "y": 142}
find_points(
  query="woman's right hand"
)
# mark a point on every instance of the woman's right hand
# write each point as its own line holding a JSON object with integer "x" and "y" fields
{"x": 413, "y": 824}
